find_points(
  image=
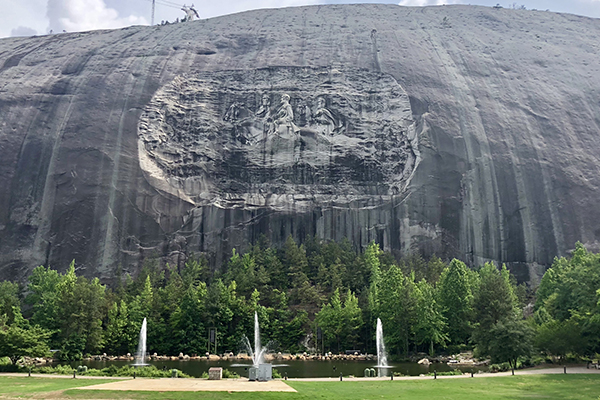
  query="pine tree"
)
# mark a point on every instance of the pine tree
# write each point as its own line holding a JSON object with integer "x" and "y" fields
{"x": 494, "y": 301}
{"x": 456, "y": 301}
{"x": 431, "y": 325}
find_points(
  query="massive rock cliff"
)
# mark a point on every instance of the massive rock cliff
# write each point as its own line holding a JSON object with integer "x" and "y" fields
{"x": 464, "y": 131}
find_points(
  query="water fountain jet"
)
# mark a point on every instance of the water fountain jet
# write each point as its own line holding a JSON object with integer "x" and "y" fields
{"x": 382, "y": 362}
{"x": 140, "y": 355}
{"x": 260, "y": 371}
{"x": 258, "y": 356}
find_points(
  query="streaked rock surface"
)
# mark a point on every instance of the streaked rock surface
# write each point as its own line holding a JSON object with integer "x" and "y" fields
{"x": 463, "y": 131}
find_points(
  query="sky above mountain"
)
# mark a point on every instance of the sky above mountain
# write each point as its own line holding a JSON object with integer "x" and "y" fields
{"x": 40, "y": 17}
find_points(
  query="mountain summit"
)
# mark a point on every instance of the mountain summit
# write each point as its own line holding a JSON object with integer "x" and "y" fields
{"x": 463, "y": 131}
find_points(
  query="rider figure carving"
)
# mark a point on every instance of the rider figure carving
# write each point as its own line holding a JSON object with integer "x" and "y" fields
{"x": 285, "y": 116}
{"x": 324, "y": 119}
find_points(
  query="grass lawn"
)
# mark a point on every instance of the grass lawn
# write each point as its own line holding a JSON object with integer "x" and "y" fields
{"x": 509, "y": 387}
{"x": 29, "y": 387}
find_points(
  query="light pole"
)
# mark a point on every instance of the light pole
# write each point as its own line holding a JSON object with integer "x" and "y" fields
{"x": 152, "y": 18}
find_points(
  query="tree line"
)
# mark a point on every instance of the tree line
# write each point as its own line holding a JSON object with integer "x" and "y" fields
{"x": 297, "y": 290}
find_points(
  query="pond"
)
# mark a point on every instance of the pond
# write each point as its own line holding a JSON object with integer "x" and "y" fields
{"x": 293, "y": 368}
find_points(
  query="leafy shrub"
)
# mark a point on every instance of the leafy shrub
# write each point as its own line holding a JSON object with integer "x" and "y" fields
{"x": 523, "y": 362}
{"x": 499, "y": 367}
{"x": 446, "y": 373}
{"x": 58, "y": 369}
{"x": 229, "y": 374}
{"x": 111, "y": 370}
{"x": 226, "y": 374}
{"x": 530, "y": 361}
{"x": 276, "y": 374}
{"x": 144, "y": 372}
{"x": 9, "y": 368}
{"x": 149, "y": 371}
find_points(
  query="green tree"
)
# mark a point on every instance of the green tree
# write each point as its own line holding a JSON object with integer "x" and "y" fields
{"x": 188, "y": 320}
{"x": 494, "y": 300}
{"x": 295, "y": 330}
{"x": 372, "y": 262}
{"x": 117, "y": 336}
{"x": 80, "y": 308}
{"x": 167, "y": 299}
{"x": 456, "y": 300}
{"x": 372, "y": 267}
{"x": 71, "y": 307}
{"x": 558, "y": 338}
{"x": 274, "y": 268}
{"x": 431, "y": 325}
{"x": 330, "y": 319}
{"x": 331, "y": 276}
{"x": 295, "y": 261}
{"x": 196, "y": 270}
{"x": 510, "y": 338}
{"x": 352, "y": 320}
{"x": 147, "y": 305}
{"x": 569, "y": 292}
{"x": 43, "y": 297}
{"x": 435, "y": 267}
{"x": 286, "y": 325}
{"x": 332, "y": 264}
{"x": 570, "y": 284}
{"x": 340, "y": 322}
{"x": 20, "y": 339}
{"x": 416, "y": 265}
{"x": 396, "y": 307}
{"x": 9, "y": 300}
{"x": 242, "y": 270}
{"x": 220, "y": 304}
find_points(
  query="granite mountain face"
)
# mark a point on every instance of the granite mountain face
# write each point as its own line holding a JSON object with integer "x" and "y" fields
{"x": 463, "y": 131}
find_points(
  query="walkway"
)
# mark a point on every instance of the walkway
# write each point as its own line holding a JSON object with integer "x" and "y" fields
{"x": 532, "y": 371}
{"x": 193, "y": 385}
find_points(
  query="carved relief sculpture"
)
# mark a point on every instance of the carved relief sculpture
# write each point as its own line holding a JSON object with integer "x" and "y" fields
{"x": 334, "y": 134}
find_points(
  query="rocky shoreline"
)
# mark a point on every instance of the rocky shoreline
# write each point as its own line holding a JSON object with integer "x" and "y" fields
{"x": 240, "y": 357}
{"x": 458, "y": 360}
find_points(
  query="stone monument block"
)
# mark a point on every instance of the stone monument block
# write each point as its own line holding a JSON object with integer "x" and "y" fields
{"x": 215, "y": 373}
